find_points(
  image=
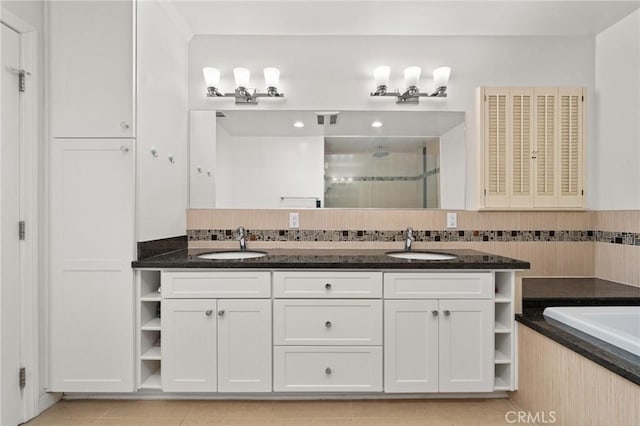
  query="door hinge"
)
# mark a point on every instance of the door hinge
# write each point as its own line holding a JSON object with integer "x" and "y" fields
{"x": 583, "y": 192}
{"x": 582, "y": 98}
{"x": 22, "y": 230}
{"x": 485, "y": 98}
{"x": 22, "y": 85}
{"x": 485, "y": 192}
{"x": 22, "y": 377}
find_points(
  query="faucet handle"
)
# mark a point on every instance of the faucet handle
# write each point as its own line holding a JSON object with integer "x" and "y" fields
{"x": 410, "y": 233}
{"x": 241, "y": 232}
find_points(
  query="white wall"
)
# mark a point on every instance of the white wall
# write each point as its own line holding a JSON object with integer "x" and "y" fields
{"x": 452, "y": 178}
{"x": 162, "y": 122}
{"x": 254, "y": 172}
{"x": 202, "y": 159}
{"x": 335, "y": 72}
{"x": 617, "y": 151}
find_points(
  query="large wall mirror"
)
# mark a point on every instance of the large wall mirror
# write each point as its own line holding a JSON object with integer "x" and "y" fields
{"x": 327, "y": 159}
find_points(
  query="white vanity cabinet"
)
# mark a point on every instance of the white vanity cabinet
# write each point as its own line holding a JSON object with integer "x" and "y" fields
{"x": 216, "y": 344}
{"x": 439, "y": 345}
{"x": 384, "y": 332}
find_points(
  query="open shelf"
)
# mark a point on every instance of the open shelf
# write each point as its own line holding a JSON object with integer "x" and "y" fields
{"x": 153, "y": 381}
{"x": 152, "y": 325}
{"x": 503, "y": 317}
{"x": 501, "y": 358}
{"x": 504, "y": 285}
{"x": 503, "y": 377}
{"x": 151, "y": 297}
{"x": 154, "y": 353}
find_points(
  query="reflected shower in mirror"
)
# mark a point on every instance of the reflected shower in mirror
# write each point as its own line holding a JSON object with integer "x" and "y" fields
{"x": 310, "y": 159}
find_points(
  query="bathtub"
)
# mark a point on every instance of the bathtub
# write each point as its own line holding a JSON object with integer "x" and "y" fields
{"x": 617, "y": 325}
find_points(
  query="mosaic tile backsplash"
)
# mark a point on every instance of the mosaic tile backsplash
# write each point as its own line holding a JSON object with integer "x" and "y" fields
{"x": 625, "y": 238}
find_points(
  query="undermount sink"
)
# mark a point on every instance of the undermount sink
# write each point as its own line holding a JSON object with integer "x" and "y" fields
{"x": 232, "y": 255}
{"x": 420, "y": 255}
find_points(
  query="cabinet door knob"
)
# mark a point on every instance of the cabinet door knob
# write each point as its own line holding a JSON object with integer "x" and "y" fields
{"x": 221, "y": 312}
{"x": 124, "y": 148}
{"x": 446, "y": 313}
{"x": 434, "y": 313}
{"x": 124, "y": 124}
{"x": 327, "y": 324}
{"x": 327, "y": 371}
{"x": 327, "y": 286}
{"x": 208, "y": 312}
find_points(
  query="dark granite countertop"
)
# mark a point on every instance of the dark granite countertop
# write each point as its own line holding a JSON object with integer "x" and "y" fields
{"x": 539, "y": 293}
{"x": 331, "y": 259}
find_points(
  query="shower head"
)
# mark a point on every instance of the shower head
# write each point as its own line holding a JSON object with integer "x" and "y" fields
{"x": 380, "y": 153}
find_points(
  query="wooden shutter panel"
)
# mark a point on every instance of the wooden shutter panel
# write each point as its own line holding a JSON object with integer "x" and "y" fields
{"x": 521, "y": 146}
{"x": 495, "y": 146}
{"x": 546, "y": 146}
{"x": 571, "y": 146}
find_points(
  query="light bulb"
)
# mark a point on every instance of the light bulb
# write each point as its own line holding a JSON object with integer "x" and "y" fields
{"x": 298, "y": 124}
{"x": 376, "y": 124}
{"x": 441, "y": 76}
{"x": 412, "y": 77}
{"x": 241, "y": 75}
{"x": 381, "y": 75}
{"x": 211, "y": 76}
{"x": 271, "y": 76}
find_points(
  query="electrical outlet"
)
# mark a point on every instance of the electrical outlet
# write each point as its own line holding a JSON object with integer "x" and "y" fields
{"x": 452, "y": 220}
{"x": 294, "y": 220}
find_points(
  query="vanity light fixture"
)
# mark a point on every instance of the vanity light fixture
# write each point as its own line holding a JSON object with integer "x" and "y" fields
{"x": 242, "y": 94}
{"x": 412, "y": 93}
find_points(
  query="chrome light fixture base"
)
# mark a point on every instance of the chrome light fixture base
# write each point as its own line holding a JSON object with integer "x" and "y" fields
{"x": 244, "y": 96}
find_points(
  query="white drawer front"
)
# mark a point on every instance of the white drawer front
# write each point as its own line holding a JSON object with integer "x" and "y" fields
{"x": 327, "y": 322}
{"x": 329, "y": 285}
{"x": 218, "y": 285}
{"x": 439, "y": 285}
{"x": 327, "y": 369}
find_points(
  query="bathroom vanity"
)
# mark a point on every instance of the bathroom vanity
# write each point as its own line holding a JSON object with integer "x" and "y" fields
{"x": 327, "y": 321}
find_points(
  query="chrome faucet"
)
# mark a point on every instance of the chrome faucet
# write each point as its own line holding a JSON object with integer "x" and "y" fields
{"x": 242, "y": 236}
{"x": 409, "y": 238}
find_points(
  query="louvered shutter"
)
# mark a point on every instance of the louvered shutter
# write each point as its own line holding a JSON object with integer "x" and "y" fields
{"x": 495, "y": 147}
{"x": 571, "y": 146}
{"x": 520, "y": 170}
{"x": 546, "y": 147}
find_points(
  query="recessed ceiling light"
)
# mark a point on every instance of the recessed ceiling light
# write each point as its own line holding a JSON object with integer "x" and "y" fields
{"x": 376, "y": 124}
{"x": 298, "y": 124}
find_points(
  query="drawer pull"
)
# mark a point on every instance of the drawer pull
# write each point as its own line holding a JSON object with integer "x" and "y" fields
{"x": 208, "y": 312}
{"x": 327, "y": 286}
{"x": 447, "y": 313}
{"x": 434, "y": 313}
{"x": 221, "y": 313}
{"x": 327, "y": 371}
{"x": 327, "y": 324}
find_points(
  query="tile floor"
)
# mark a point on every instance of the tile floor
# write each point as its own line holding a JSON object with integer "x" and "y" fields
{"x": 271, "y": 413}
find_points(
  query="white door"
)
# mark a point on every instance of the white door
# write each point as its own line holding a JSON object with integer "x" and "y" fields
{"x": 466, "y": 345}
{"x": 411, "y": 346}
{"x": 11, "y": 402}
{"x": 92, "y": 287}
{"x": 189, "y": 361}
{"x": 244, "y": 345}
{"x": 92, "y": 68}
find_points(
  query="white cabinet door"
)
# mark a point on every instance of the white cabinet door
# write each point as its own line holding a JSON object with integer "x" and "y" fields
{"x": 411, "y": 346}
{"x": 189, "y": 361}
{"x": 92, "y": 68}
{"x": 92, "y": 286}
{"x": 244, "y": 345}
{"x": 466, "y": 345}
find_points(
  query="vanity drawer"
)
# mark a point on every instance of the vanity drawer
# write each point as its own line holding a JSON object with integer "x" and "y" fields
{"x": 327, "y": 322}
{"x": 327, "y": 285}
{"x": 327, "y": 369}
{"x": 439, "y": 285}
{"x": 216, "y": 285}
